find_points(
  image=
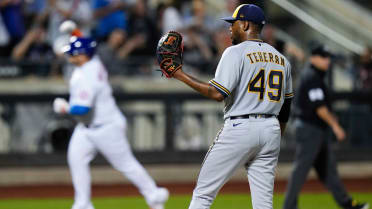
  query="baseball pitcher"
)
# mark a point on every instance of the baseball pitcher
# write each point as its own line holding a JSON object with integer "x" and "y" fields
{"x": 254, "y": 81}
{"x": 101, "y": 128}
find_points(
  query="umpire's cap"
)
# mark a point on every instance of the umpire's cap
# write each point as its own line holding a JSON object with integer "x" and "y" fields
{"x": 321, "y": 50}
{"x": 80, "y": 45}
{"x": 249, "y": 12}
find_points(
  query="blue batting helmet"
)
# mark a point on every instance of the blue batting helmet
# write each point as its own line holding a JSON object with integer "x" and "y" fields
{"x": 79, "y": 45}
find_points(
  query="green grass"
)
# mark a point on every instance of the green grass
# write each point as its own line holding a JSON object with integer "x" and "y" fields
{"x": 225, "y": 201}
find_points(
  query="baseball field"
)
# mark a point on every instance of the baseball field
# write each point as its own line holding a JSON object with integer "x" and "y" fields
{"x": 234, "y": 195}
{"x": 223, "y": 201}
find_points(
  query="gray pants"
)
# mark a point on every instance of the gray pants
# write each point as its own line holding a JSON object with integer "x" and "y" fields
{"x": 252, "y": 142}
{"x": 313, "y": 148}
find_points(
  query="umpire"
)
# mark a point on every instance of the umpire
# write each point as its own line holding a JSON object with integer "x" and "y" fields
{"x": 313, "y": 147}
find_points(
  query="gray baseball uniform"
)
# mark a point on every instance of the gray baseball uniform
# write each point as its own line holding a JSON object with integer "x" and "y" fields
{"x": 254, "y": 78}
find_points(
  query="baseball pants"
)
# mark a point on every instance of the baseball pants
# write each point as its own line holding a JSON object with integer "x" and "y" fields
{"x": 313, "y": 148}
{"x": 110, "y": 140}
{"x": 254, "y": 143}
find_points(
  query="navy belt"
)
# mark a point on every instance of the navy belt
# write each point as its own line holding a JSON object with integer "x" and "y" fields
{"x": 252, "y": 116}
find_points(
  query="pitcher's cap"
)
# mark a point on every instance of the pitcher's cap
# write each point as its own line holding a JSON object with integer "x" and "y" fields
{"x": 249, "y": 12}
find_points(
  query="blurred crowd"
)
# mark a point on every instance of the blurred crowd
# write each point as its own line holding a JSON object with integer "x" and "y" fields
{"x": 128, "y": 31}
{"x": 33, "y": 32}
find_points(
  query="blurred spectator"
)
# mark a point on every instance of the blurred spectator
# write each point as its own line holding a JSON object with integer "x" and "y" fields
{"x": 12, "y": 17}
{"x": 289, "y": 49}
{"x": 110, "y": 14}
{"x": 269, "y": 36}
{"x": 142, "y": 39}
{"x": 34, "y": 48}
{"x": 259, "y": 3}
{"x": 142, "y": 32}
{"x": 365, "y": 69}
{"x": 169, "y": 16}
{"x": 198, "y": 43}
{"x": 4, "y": 38}
{"x": 199, "y": 18}
{"x": 60, "y": 10}
{"x": 229, "y": 8}
{"x": 198, "y": 51}
{"x": 108, "y": 51}
{"x": 33, "y": 11}
{"x": 221, "y": 35}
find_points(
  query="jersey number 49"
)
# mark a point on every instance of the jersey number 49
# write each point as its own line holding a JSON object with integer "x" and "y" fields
{"x": 274, "y": 85}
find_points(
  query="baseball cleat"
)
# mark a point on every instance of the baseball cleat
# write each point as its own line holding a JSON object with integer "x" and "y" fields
{"x": 358, "y": 205}
{"x": 161, "y": 197}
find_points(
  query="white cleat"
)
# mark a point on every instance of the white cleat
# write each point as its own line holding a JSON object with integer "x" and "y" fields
{"x": 161, "y": 197}
{"x": 366, "y": 206}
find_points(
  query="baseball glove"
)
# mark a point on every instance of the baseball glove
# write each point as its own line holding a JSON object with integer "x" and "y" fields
{"x": 169, "y": 53}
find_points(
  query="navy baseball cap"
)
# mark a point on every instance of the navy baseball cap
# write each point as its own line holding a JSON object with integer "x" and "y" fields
{"x": 248, "y": 12}
{"x": 321, "y": 50}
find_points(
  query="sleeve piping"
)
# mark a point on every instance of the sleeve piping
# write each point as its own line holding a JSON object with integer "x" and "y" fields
{"x": 220, "y": 88}
{"x": 289, "y": 95}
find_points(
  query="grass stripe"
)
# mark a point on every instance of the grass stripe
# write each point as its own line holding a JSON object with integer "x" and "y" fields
{"x": 225, "y": 201}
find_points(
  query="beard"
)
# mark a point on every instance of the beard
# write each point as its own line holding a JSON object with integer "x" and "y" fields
{"x": 235, "y": 40}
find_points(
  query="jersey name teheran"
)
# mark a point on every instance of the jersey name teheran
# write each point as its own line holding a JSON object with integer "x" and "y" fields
{"x": 254, "y": 78}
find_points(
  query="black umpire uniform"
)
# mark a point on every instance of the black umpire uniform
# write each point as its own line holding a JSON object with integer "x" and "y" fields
{"x": 313, "y": 147}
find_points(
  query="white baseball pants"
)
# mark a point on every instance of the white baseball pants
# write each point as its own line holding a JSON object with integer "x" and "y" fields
{"x": 254, "y": 143}
{"x": 110, "y": 140}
